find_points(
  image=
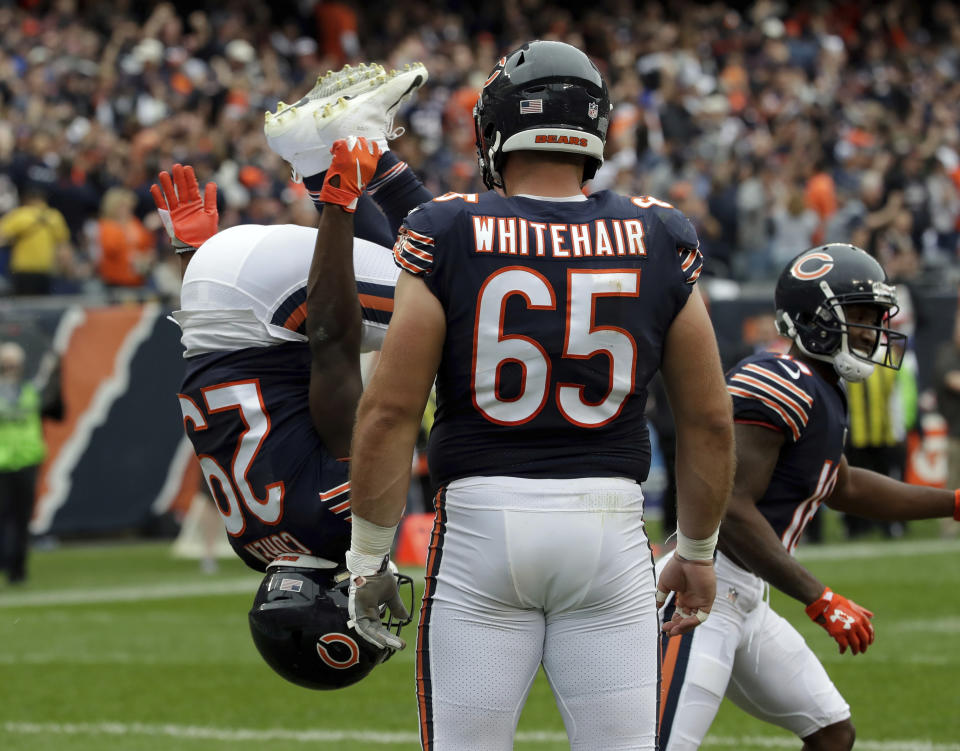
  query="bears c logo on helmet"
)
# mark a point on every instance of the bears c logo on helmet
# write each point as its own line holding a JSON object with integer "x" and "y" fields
{"x": 803, "y": 269}
{"x": 324, "y": 644}
{"x": 496, "y": 72}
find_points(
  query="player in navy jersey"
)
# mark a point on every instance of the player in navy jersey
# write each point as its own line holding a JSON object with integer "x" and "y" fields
{"x": 274, "y": 319}
{"x": 833, "y": 302}
{"x": 543, "y": 313}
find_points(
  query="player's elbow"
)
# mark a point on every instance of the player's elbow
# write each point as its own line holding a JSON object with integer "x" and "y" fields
{"x": 324, "y": 332}
{"x": 384, "y": 413}
{"x": 712, "y": 419}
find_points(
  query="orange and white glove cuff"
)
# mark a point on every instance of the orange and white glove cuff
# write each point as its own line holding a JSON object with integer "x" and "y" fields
{"x": 347, "y": 199}
{"x": 816, "y": 608}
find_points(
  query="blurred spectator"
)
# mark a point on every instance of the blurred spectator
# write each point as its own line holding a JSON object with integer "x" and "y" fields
{"x": 22, "y": 450}
{"x": 126, "y": 251}
{"x": 947, "y": 383}
{"x": 38, "y": 237}
{"x": 944, "y": 203}
{"x": 854, "y": 106}
{"x": 794, "y": 226}
{"x": 820, "y": 196}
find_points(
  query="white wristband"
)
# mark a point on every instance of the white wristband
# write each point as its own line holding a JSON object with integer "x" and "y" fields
{"x": 365, "y": 565}
{"x": 367, "y": 538}
{"x": 697, "y": 550}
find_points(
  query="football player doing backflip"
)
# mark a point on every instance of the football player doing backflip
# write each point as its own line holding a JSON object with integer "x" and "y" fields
{"x": 273, "y": 321}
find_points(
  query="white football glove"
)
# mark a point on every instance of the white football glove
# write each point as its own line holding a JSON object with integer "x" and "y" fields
{"x": 372, "y": 585}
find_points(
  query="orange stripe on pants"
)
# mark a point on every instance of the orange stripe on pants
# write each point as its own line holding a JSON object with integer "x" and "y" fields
{"x": 666, "y": 672}
{"x": 425, "y": 739}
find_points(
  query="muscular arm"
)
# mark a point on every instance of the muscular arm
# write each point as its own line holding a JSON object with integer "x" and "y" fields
{"x": 389, "y": 414}
{"x": 874, "y": 496}
{"x": 745, "y": 536}
{"x": 693, "y": 378}
{"x": 333, "y": 329}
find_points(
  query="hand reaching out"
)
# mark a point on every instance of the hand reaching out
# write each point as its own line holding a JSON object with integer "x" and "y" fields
{"x": 188, "y": 219}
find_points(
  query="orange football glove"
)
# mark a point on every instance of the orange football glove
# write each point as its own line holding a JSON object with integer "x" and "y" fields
{"x": 848, "y": 623}
{"x": 355, "y": 161}
{"x": 188, "y": 219}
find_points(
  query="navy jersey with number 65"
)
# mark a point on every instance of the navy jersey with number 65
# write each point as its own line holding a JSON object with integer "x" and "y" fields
{"x": 556, "y": 311}
{"x": 278, "y": 489}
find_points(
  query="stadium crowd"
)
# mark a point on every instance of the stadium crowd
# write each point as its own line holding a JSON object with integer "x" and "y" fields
{"x": 772, "y": 127}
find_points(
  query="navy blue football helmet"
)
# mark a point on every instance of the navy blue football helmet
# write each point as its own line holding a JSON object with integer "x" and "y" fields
{"x": 811, "y": 294}
{"x": 544, "y": 96}
{"x": 299, "y": 624}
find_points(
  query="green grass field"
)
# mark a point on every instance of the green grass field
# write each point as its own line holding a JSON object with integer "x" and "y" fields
{"x": 122, "y": 647}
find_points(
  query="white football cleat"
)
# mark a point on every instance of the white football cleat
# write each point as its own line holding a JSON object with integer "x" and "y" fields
{"x": 359, "y": 101}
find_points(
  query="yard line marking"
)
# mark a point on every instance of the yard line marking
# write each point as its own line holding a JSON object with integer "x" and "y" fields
{"x": 775, "y": 742}
{"x": 209, "y": 733}
{"x": 881, "y": 549}
{"x": 169, "y": 591}
{"x": 236, "y": 585}
{"x": 945, "y": 625}
{"x": 233, "y": 735}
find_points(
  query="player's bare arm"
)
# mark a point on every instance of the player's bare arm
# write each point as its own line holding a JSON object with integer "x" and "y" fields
{"x": 749, "y": 540}
{"x": 874, "y": 496}
{"x": 392, "y": 405}
{"x": 333, "y": 328}
{"x": 388, "y": 420}
{"x": 745, "y": 535}
{"x": 702, "y": 410}
{"x": 333, "y": 309}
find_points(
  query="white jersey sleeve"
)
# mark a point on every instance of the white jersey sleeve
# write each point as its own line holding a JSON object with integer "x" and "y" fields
{"x": 247, "y": 287}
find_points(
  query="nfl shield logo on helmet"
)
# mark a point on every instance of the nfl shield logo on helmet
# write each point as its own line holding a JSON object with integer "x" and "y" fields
{"x": 592, "y": 110}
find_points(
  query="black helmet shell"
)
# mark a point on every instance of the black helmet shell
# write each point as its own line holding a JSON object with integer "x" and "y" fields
{"x": 299, "y": 625}
{"x": 544, "y": 96}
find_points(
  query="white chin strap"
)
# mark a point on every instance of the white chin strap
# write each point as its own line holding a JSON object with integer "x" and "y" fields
{"x": 851, "y": 368}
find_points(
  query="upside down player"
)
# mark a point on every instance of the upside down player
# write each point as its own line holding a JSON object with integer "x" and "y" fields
{"x": 543, "y": 313}
{"x": 791, "y": 422}
{"x": 272, "y": 331}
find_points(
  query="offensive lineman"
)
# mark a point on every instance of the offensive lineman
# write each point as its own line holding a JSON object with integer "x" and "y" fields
{"x": 791, "y": 422}
{"x": 543, "y": 314}
{"x": 272, "y": 320}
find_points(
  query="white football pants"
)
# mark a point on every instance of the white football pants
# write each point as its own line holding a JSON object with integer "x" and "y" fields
{"x": 524, "y": 572}
{"x": 749, "y": 653}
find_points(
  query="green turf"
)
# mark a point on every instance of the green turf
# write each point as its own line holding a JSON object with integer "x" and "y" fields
{"x": 155, "y": 668}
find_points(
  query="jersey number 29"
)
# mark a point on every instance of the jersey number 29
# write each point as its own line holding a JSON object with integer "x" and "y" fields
{"x": 245, "y": 397}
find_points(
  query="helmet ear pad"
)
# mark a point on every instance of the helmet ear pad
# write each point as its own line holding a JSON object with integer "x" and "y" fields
{"x": 821, "y": 334}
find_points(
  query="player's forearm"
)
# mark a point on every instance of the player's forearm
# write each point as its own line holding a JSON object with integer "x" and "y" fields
{"x": 875, "y": 496}
{"x": 382, "y": 454}
{"x": 333, "y": 309}
{"x": 748, "y": 538}
{"x": 705, "y": 465}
